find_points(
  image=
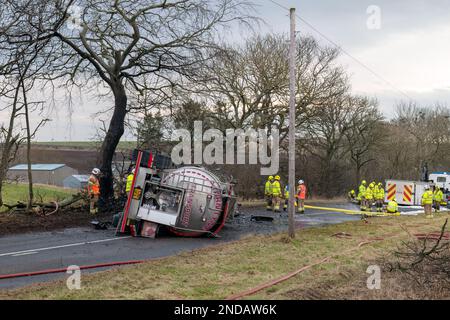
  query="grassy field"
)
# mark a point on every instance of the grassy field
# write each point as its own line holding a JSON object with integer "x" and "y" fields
{"x": 123, "y": 145}
{"x": 13, "y": 192}
{"x": 219, "y": 272}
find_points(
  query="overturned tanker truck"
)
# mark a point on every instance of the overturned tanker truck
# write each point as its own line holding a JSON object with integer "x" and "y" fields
{"x": 186, "y": 201}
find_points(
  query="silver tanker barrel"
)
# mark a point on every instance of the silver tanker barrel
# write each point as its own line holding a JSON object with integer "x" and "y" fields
{"x": 188, "y": 201}
{"x": 207, "y": 202}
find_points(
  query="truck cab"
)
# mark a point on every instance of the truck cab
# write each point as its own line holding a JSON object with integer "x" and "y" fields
{"x": 441, "y": 179}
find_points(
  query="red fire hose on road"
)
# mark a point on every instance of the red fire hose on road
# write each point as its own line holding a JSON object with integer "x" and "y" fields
{"x": 62, "y": 270}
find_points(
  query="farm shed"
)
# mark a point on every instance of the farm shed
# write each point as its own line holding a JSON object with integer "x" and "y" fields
{"x": 50, "y": 174}
{"x": 76, "y": 181}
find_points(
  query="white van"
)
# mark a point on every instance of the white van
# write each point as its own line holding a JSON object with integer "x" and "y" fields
{"x": 441, "y": 179}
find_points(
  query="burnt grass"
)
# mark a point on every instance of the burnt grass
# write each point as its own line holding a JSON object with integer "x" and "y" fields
{"x": 18, "y": 223}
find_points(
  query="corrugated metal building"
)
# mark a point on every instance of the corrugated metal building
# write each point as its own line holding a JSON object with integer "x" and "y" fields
{"x": 76, "y": 181}
{"x": 51, "y": 174}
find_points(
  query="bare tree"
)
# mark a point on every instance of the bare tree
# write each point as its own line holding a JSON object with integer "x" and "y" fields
{"x": 324, "y": 138}
{"x": 119, "y": 43}
{"x": 364, "y": 134}
{"x": 10, "y": 141}
{"x": 427, "y": 131}
{"x": 20, "y": 66}
{"x": 244, "y": 82}
{"x": 249, "y": 85}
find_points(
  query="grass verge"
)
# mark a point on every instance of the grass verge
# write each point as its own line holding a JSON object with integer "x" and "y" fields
{"x": 13, "y": 192}
{"x": 220, "y": 271}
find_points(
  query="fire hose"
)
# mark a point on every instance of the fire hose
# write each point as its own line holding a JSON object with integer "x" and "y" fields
{"x": 294, "y": 273}
{"x": 351, "y": 212}
{"x": 63, "y": 270}
{"x": 431, "y": 236}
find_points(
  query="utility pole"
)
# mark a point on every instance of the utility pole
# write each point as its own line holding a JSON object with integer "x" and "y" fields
{"x": 292, "y": 87}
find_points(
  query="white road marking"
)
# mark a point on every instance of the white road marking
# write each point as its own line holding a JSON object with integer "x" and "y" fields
{"x": 59, "y": 247}
{"x": 24, "y": 254}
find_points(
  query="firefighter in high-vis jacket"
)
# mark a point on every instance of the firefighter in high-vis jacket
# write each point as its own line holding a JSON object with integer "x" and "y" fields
{"x": 301, "y": 196}
{"x": 351, "y": 195}
{"x": 427, "y": 201}
{"x": 94, "y": 190}
{"x": 362, "y": 195}
{"x": 379, "y": 197}
{"x": 369, "y": 197}
{"x": 286, "y": 197}
{"x": 276, "y": 194}
{"x": 268, "y": 193}
{"x": 130, "y": 179}
{"x": 392, "y": 207}
{"x": 438, "y": 196}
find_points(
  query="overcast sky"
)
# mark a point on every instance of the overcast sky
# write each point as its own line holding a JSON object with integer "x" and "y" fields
{"x": 409, "y": 52}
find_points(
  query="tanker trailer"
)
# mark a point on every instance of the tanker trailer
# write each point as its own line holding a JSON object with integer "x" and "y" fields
{"x": 188, "y": 201}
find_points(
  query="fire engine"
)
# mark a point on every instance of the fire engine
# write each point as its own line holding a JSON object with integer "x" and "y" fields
{"x": 405, "y": 192}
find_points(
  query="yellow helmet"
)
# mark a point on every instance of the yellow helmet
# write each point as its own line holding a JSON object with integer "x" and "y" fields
{"x": 372, "y": 185}
{"x": 364, "y": 182}
{"x": 380, "y": 184}
{"x": 277, "y": 178}
{"x": 271, "y": 178}
{"x": 352, "y": 192}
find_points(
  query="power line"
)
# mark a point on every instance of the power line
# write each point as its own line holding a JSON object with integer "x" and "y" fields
{"x": 345, "y": 51}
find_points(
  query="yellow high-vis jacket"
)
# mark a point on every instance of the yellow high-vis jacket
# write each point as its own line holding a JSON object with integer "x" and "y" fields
{"x": 361, "y": 192}
{"x": 380, "y": 194}
{"x": 286, "y": 193}
{"x": 276, "y": 189}
{"x": 268, "y": 188}
{"x": 392, "y": 207}
{"x": 129, "y": 182}
{"x": 369, "y": 194}
{"x": 438, "y": 195}
{"x": 427, "y": 197}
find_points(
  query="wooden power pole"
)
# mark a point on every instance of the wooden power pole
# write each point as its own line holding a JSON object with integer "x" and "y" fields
{"x": 292, "y": 87}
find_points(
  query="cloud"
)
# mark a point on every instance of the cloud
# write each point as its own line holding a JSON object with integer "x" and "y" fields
{"x": 410, "y": 51}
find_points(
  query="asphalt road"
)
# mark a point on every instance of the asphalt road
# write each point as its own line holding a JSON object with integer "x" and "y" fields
{"x": 86, "y": 246}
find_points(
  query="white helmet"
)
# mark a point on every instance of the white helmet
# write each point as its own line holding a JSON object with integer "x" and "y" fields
{"x": 427, "y": 187}
{"x": 96, "y": 171}
{"x": 133, "y": 171}
{"x": 301, "y": 182}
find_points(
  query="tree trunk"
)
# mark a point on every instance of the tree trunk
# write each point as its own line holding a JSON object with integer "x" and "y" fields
{"x": 112, "y": 138}
{"x": 358, "y": 174}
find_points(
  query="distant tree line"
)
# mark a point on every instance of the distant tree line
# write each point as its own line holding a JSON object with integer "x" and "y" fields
{"x": 341, "y": 138}
{"x": 160, "y": 66}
